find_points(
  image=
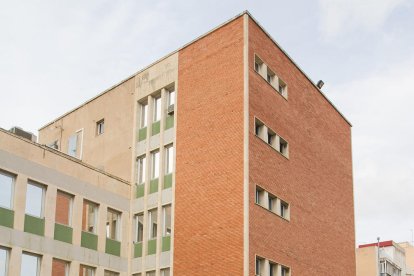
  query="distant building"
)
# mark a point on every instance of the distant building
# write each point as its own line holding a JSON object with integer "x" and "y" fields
{"x": 393, "y": 259}
{"x": 222, "y": 158}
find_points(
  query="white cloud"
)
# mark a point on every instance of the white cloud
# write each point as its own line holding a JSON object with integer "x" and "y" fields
{"x": 380, "y": 106}
{"x": 348, "y": 15}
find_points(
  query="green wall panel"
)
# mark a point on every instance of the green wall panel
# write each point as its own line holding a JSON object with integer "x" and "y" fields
{"x": 169, "y": 122}
{"x": 152, "y": 247}
{"x": 89, "y": 240}
{"x": 168, "y": 181}
{"x": 140, "y": 191}
{"x": 155, "y": 128}
{"x": 137, "y": 249}
{"x": 34, "y": 225}
{"x": 63, "y": 233}
{"x": 113, "y": 247}
{"x": 166, "y": 243}
{"x": 153, "y": 186}
{"x": 142, "y": 134}
{"x": 6, "y": 217}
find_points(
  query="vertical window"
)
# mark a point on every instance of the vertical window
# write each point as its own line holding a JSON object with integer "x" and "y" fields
{"x": 258, "y": 128}
{"x": 284, "y": 212}
{"x": 157, "y": 109}
{"x": 90, "y": 215}
{"x": 64, "y": 203}
{"x": 283, "y": 146}
{"x": 136, "y": 274}
{"x": 110, "y": 273}
{"x": 141, "y": 169}
{"x": 144, "y": 115}
{"x": 284, "y": 271}
{"x": 165, "y": 272}
{"x": 155, "y": 164}
{"x": 75, "y": 144}
{"x": 86, "y": 270}
{"x": 169, "y": 159}
{"x": 100, "y": 127}
{"x": 152, "y": 219}
{"x": 113, "y": 221}
{"x": 6, "y": 190}
{"x": 259, "y": 195}
{"x": 282, "y": 88}
{"x": 271, "y": 137}
{"x": 139, "y": 226}
{"x": 272, "y": 269}
{"x": 4, "y": 260}
{"x": 272, "y": 203}
{"x": 35, "y": 199}
{"x": 257, "y": 64}
{"x": 171, "y": 98}
{"x": 259, "y": 266}
{"x": 30, "y": 265}
{"x": 270, "y": 76}
{"x": 166, "y": 220}
{"x": 150, "y": 273}
{"x": 60, "y": 268}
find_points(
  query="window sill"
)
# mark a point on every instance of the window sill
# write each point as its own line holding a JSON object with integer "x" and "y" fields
{"x": 274, "y": 88}
{"x": 285, "y": 219}
{"x": 271, "y": 147}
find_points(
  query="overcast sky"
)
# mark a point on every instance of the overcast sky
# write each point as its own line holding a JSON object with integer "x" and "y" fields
{"x": 54, "y": 55}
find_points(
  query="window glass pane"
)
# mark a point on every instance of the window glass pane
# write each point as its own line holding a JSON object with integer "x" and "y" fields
{"x": 171, "y": 98}
{"x": 141, "y": 169}
{"x": 6, "y": 189}
{"x": 3, "y": 261}
{"x": 86, "y": 271}
{"x": 30, "y": 265}
{"x": 157, "y": 109}
{"x": 34, "y": 200}
{"x": 144, "y": 115}
{"x": 151, "y": 273}
{"x": 152, "y": 218}
{"x": 155, "y": 165}
{"x": 165, "y": 272}
{"x": 112, "y": 224}
{"x": 63, "y": 208}
{"x": 60, "y": 268}
{"x": 90, "y": 212}
{"x": 139, "y": 224}
{"x": 166, "y": 229}
{"x": 72, "y": 142}
{"x": 110, "y": 273}
{"x": 169, "y": 151}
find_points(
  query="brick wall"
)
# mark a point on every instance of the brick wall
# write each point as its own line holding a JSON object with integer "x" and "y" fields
{"x": 316, "y": 179}
{"x": 209, "y": 170}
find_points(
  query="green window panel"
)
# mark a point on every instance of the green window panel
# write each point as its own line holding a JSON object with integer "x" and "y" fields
{"x": 6, "y": 217}
{"x": 140, "y": 191}
{"x": 113, "y": 247}
{"x": 154, "y": 186}
{"x": 152, "y": 247}
{"x": 63, "y": 233}
{"x": 89, "y": 240}
{"x": 34, "y": 225}
{"x": 166, "y": 243}
{"x": 155, "y": 128}
{"x": 142, "y": 134}
{"x": 169, "y": 122}
{"x": 168, "y": 181}
{"x": 137, "y": 249}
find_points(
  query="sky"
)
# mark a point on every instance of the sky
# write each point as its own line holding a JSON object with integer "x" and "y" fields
{"x": 54, "y": 55}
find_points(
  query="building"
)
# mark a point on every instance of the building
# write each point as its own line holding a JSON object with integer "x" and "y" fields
{"x": 225, "y": 159}
{"x": 386, "y": 258}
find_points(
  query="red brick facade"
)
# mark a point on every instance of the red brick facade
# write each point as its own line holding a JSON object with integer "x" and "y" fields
{"x": 208, "y": 226}
{"x": 316, "y": 179}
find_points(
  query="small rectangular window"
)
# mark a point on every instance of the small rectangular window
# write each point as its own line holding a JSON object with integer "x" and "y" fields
{"x": 258, "y": 128}
{"x": 6, "y": 189}
{"x": 54, "y": 145}
{"x": 90, "y": 216}
{"x": 271, "y": 137}
{"x": 35, "y": 199}
{"x": 100, "y": 127}
{"x": 284, "y": 149}
{"x": 150, "y": 273}
{"x": 282, "y": 88}
{"x": 259, "y": 195}
{"x": 272, "y": 201}
{"x": 110, "y": 273}
{"x": 285, "y": 271}
{"x": 270, "y": 76}
{"x": 166, "y": 220}
{"x": 169, "y": 159}
{"x": 75, "y": 144}
{"x": 139, "y": 226}
{"x": 155, "y": 164}
{"x": 152, "y": 219}
{"x": 144, "y": 115}
{"x": 171, "y": 97}
{"x": 141, "y": 169}
{"x": 284, "y": 210}
{"x": 113, "y": 223}
{"x": 258, "y": 63}
{"x": 4, "y": 261}
{"x": 157, "y": 109}
{"x": 30, "y": 265}
{"x": 64, "y": 202}
{"x": 165, "y": 272}
{"x": 60, "y": 267}
{"x": 259, "y": 266}
{"x": 86, "y": 270}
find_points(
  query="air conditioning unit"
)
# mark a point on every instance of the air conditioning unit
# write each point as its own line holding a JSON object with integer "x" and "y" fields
{"x": 170, "y": 109}
{"x": 22, "y": 133}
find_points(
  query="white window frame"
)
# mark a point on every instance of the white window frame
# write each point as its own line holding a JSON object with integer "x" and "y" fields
{"x": 38, "y": 259}
{"x": 141, "y": 163}
{"x": 169, "y": 159}
{"x": 95, "y": 219}
{"x": 157, "y": 106}
{"x": 118, "y": 224}
{"x": 164, "y": 219}
{"x": 150, "y": 224}
{"x": 12, "y": 187}
{"x": 42, "y": 206}
{"x": 136, "y": 240}
{"x": 72, "y": 198}
{"x": 100, "y": 127}
{"x": 155, "y": 164}
{"x": 6, "y": 260}
{"x": 143, "y": 119}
